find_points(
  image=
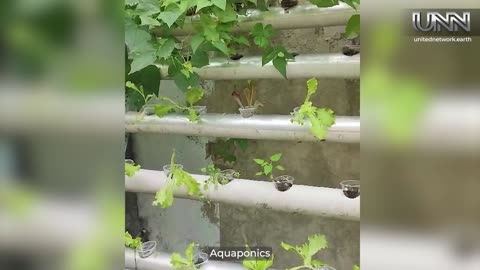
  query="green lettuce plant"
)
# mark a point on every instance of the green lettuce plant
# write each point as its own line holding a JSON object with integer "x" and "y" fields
{"x": 131, "y": 242}
{"x": 215, "y": 177}
{"x": 321, "y": 119}
{"x": 258, "y": 264}
{"x": 131, "y": 169}
{"x": 177, "y": 178}
{"x": 192, "y": 96}
{"x": 307, "y": 250}
{"x": 184, "y": 263}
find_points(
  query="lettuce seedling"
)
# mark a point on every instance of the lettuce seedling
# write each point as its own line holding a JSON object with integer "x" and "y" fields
{"x": 216, "y": 177}
{"x": 131, "y": 169}
{"x": 179, "y": 177}
{"x": 187, "y": 263}
{"x": 321, "y": 119}
{"x": 306, "y": 251}
{"x": 268, "y": 166}
{"x": 132, "y": 243}
{"x": 192, "y": 96}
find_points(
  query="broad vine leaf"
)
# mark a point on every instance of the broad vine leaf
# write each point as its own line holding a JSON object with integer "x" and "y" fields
{"x": 222, "y": 4}
{"x": 170, "y": 15}
{"x": 200, "y": 59}
{"x": 182, "y": 82}
{"x": 262, "y": 35}
{"x": 280, "y": 64}
{"x": 166, "y": 48}
{"x": 276, "y": 157}
{"x": 193, "y": 95}
{"x": 136, "y": 38}
{"x": 242, "y": 40}
{"x": 353, "y": 26}
{"x": 269, "y": 55}
{"x": 161, "y": 109}
{"x": 143, "y": 60}
{"x": 147, "y": 20}
{"x": 221, "y": 46}
{"x": 229, "y": 15}
{"x": 202, "y": 4}
{"x": 324, "y": 3}
{"x": 196, "y": 41}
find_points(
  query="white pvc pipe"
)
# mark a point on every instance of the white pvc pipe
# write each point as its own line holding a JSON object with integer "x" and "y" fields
{"x": 321, "y": 201}
{"x": 304, "y": 66}
{"x": 301, "y": 16}
{"x": 274, "y": 127}
{"x": 161, "y": 261}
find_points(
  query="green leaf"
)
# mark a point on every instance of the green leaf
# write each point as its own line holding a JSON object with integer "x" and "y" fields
{"x": 318, "y": 263}
{"x": 268, "y": 56}
{"x": 182, "y": 82}
{"x": 164, "y": 197}
{"x": 352, "y": 3}
{"x": 193, "y": 95}
{"x": 162, "y": 110}
{"x": 353, "y": 26}
{"x": 229, "y": 15}
{"x": 280, "y": 167}
{"x": 143, "y": 60}
{"x": 166, "y": 49}
{"x": 356, "y": 267}
{"x": 193, "y": 115}
{"x": 177, "y": 261}
{"x": 253, "y": 2}
{"x": 267, "y": 169}
{"x": 242, "y": 143}
{"x": 202, "y": 4}
{"x": 200, "y": 59}
{"x": 222, "y": 4}
{"x": 312, "y": 85}
{"x": 280, "y": 64}
{"x": 242, "y": 40}
{"x": 131, "y": 169}
{"x": 259, "y": 173}
{"x": 287, "y": 246}
{"x": 170, "y": 15}
{"x": 276, "y": 157}
{"x": 196, "y": 41}
{"x": 147, "y": 20}
{"x": 221, "y": 46}
{"x": 259, "y": 161}
{"x": 316, "y": 243}
{"x": 324, "y": 3}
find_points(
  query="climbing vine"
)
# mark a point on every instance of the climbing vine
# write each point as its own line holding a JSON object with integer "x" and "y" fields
{"x": 151, "y": 39}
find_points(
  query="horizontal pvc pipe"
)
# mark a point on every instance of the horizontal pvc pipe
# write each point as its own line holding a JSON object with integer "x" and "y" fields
{"x": 272, "y": 127}
{"x": 301, "y": 16}
{"x": 161, "y": 261}
{"x": 304, "y": 66}
{"x": 321, "y": 201}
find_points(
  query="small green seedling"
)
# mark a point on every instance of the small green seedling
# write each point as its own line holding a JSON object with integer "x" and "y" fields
{"x": 216, "y": 177}
{"x": 192, "y": 96}
{"x": 187, "y": 263}
{"x": 131, "y": 169}
{"x": 132, "y": 243}
{"x": 306, "y": 251}
{"x": 268, "y": 166}
{"x": 179, "y": 177}
{"x": 321, "y": 119}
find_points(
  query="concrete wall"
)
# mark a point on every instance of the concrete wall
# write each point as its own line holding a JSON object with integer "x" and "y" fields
{"x": 311, "y": 163}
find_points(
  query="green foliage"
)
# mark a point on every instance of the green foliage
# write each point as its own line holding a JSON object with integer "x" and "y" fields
{"x": 140, "y": 91}
{"x": 131, "y": 169}
{"x": 187, "y": 263}
{"x": 258, "y": 264}
{"x": 278, "y": 55}
{"x": 193, "y": 95}
{"x": 268, "y": 165}
{"x": 132, "y": 243}
{"x": 216, "y": 177}
{"x": 176, "y": 179}
{"x": 321, "y": 119}
{"x": 353, "y": 26}
{"x": 356, "y": 267}
{"x": 307, "y": 250}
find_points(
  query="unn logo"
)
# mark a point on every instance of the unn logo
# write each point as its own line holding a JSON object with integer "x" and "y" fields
{"x": 435, "y": 21}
